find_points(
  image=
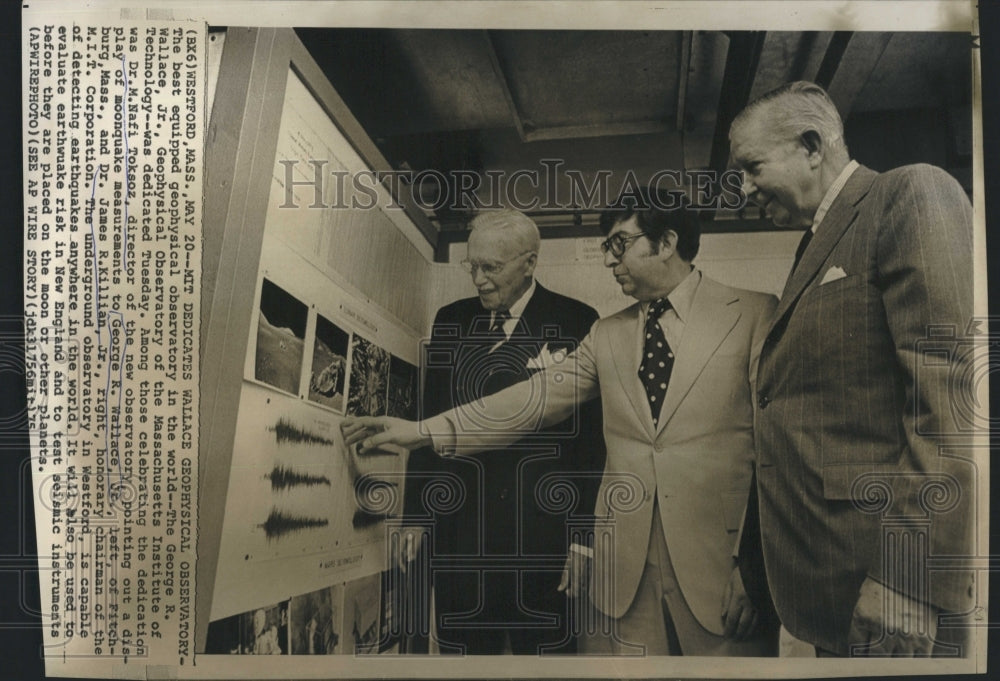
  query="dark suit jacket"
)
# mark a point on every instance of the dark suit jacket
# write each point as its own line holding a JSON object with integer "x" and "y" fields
{"x": 852, "y": 407}
{"x": 510, "y": 503}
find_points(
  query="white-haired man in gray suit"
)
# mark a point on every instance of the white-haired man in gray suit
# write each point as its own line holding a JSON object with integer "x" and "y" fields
{"x": 856, "y": 493}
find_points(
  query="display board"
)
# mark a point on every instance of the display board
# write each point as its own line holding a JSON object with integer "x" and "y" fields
{"x": 301, "y": 558}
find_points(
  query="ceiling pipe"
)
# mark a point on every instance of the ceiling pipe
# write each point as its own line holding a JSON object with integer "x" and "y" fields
{"x": 683, "y": 73}
{"x": 835, "y": 50}
{"x": 504, "y": 82}
{"x": 742, "y": 60}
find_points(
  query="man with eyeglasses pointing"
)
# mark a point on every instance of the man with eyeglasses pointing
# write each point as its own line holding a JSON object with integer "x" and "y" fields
{"x": 674, "y": 372}
{"x": 496, "y": 554}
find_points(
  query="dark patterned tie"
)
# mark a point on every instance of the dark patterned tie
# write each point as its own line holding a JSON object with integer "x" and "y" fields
{"x": 657, "y": 358}
{"x": 806, "y": 238}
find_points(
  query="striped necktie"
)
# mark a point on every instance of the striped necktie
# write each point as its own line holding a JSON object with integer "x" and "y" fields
{"x": 496, "y": 332}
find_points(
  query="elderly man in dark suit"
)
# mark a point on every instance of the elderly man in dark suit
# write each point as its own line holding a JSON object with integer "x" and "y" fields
{"x": 856, "y": 494}
{"x": 497, "y": 555}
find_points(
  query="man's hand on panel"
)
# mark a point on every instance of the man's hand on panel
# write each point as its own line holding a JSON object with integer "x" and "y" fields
{"x": 374, "y": 431}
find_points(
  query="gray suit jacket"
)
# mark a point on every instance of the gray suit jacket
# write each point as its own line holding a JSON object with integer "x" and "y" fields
{"x": 858, "y": 382}
{"x": 698, "y": 461}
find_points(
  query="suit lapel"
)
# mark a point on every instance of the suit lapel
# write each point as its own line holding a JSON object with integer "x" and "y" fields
{"x": 624, "y": 343}
{"x": 712, "y": 318}
{"x": 534, "y": 315}
{"x": 841, "y": 215}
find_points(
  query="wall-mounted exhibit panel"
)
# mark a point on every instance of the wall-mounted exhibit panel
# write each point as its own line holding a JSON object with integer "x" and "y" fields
{"x": 308, "y": 323}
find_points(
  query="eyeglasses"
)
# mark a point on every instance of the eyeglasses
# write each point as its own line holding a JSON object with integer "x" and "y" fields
{"x": 489, "y": 268}
{"x": 618, "y": 243}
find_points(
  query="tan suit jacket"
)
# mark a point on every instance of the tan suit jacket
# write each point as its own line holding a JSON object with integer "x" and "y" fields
{"x": 698, "y": 460}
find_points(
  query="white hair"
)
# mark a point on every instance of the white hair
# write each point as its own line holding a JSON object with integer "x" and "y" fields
{"x": 795, "y": 108}
{"x": 515, "y": 228}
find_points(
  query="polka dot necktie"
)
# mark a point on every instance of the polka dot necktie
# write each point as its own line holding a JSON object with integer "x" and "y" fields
{"x": 657, "y": 358}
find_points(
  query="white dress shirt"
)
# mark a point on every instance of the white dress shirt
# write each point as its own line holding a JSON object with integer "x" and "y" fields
{"x": 832, "y": 193}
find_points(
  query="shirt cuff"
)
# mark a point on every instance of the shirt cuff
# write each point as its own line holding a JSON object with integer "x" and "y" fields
{"x": 442, "y": 434}
{"x": 582, "y": 550}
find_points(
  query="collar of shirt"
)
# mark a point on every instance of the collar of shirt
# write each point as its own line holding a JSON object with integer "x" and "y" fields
{"x": 832, "y": 193}
{"x": 680, "y": 298}
{"x": 515, "y": 310}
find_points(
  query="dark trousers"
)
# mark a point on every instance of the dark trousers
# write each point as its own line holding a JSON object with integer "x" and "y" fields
{"x": 490, "y": 611}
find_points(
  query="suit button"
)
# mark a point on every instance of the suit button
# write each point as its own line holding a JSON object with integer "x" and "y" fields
{"x": 763, "y": 400}
{"x": 503, "y": 494}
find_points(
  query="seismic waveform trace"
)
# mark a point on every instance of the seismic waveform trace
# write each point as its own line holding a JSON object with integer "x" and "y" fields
{"x": 286, "y": 431}
{"x": 279, "y": 524}
{"x": 282, "y": 477}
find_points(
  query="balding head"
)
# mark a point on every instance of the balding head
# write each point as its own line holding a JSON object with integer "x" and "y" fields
{"x": 503, "y": 250}
{"x": 793, "y": 109}
{"x": 510, "y": 227}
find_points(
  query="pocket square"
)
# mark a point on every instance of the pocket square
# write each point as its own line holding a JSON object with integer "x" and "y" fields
{"x": 833, "y": 274}
{"x": 546, "y": 359}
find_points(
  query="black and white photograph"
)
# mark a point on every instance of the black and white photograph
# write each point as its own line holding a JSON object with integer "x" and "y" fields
{"x": 329, "y": 365}
{"x": 265, "y": 631}
{"x": 281, "y": 330}
{"x": 404, "y": 381}
{"x": 315, "y": 621}
{"x": 362, "y": 604}
{"x": 225, "y": 636}
{"x": 686, "y": 299}
{"x": 583, "y": 340}
{"x": 369, "y": 380}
